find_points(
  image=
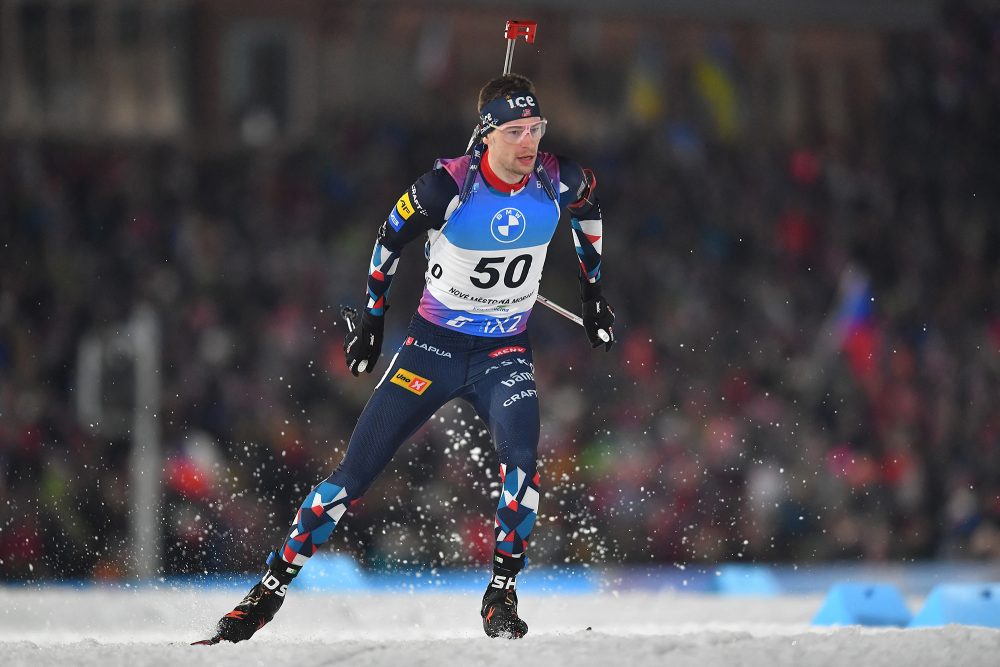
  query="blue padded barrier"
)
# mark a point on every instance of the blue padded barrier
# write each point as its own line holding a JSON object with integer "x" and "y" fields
{"x": 750, "y": 580}
{"x": 334, "y": 571}
{"x": 863, "y": 604}
{"x": 965, "y": 604}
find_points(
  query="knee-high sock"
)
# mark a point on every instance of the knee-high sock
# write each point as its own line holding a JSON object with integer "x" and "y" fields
{"x": 314, "y": 522}
{"x": 516, "y": 511}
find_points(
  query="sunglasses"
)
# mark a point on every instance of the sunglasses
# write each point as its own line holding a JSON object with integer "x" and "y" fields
{"x": 513, "y": 134}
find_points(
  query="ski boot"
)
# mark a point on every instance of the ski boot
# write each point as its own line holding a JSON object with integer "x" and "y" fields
{"x": 259, "y": 606}
{"x": 499, "y": 610}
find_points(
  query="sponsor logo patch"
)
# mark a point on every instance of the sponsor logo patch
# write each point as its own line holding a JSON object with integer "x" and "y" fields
{"x": 410, "y": 340}
{"x": 394, "y": 220}
{"x": 506, "y": 350}
{"x": 520, "y": 102}
{"x": 516, "y": 377}
{"x": 404, "y": 206}
{"x": 416, "y": 200}
{"x": 411, "y": 381}
{"x": 508, "y": 225}
{"x": 525, "y": 393}
{"x": 504, "y": 363}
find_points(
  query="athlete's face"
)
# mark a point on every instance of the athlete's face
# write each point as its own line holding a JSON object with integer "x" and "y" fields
{"x": 513, "y": 147}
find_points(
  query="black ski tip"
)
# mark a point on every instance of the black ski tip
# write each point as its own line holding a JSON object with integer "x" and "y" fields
{"x": 589, "y": 628}
{"x": 208, "y": 642}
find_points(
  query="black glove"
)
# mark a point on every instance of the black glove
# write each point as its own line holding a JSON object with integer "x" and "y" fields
{"x": 598, "y": 316}
{"x": 363, "y": 343}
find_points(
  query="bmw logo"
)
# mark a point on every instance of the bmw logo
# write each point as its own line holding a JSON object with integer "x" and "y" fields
{"x": 507, "y": 225}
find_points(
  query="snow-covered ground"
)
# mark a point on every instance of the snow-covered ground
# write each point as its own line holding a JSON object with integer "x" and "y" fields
{"x": 63, "y": 626}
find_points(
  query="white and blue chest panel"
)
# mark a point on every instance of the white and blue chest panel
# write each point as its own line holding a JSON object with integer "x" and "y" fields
{"x": 484, "y": 266}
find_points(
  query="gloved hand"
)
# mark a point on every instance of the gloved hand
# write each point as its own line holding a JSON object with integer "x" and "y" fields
{"x": 363, "y": 343}
{"x": 598, "y": 316}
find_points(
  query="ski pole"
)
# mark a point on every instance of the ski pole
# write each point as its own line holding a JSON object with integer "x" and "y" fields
{"x": 572, "y": 317}
{"x": 350, "y": 315}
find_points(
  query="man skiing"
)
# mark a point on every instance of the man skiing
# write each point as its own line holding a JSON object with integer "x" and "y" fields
{"x": 488, "y": 217}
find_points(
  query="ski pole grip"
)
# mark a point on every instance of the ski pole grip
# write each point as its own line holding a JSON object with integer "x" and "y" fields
{"x": 350, "y": 316}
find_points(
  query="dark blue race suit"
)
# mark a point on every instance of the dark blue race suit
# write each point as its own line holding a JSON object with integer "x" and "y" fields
{"x": 468, "y": 340}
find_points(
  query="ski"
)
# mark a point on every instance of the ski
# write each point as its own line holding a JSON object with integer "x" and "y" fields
{"x": 208, "y": 642}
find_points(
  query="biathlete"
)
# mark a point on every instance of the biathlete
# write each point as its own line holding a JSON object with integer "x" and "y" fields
{"x": 488, "y": 217}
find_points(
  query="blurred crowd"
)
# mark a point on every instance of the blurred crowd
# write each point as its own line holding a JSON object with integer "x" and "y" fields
{"x": 808, "y": 366}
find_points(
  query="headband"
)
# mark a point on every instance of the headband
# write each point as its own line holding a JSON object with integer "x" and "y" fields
{"x": 512, "y": 106}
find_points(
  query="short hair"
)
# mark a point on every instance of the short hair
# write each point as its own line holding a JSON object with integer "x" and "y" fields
{"x": 503, "y": 85}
